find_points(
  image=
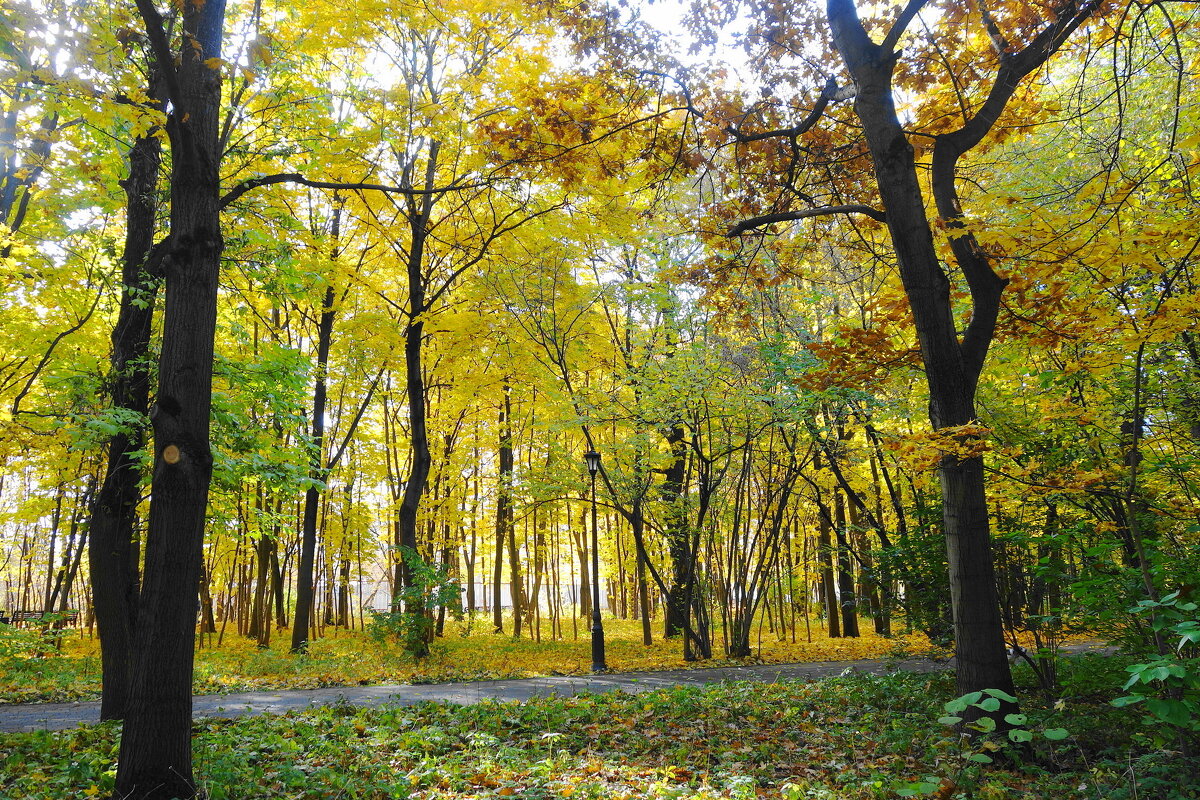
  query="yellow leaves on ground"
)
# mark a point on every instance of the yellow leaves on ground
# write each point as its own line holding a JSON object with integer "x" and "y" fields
{"x": 349, "y": 659}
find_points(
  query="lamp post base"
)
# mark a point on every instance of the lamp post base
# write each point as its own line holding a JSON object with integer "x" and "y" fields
{"x": 598, "y": 661}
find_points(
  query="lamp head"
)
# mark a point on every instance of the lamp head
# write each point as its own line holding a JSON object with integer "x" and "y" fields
{"x": 592, "y": 458}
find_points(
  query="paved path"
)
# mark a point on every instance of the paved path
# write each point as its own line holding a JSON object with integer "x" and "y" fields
{"x": 58, "y": 716}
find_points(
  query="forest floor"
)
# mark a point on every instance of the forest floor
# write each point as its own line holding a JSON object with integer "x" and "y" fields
{"x": 686, "y": 734}
{"x": 853, "y": 736}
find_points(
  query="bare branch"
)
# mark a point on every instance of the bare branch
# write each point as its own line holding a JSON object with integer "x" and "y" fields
{"x": 901, "y": 25}
{"x": 295, "y": 177}
{"x": 828, "y": 93}
{"x": 790, "y": 216}
{"x": 687, "y": 94}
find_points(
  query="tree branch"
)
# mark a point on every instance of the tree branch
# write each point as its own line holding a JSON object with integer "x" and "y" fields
{"x": 295, "y": 177}
{"x": 901, "y": 25}
{"x": 790, "y": 216}
{"x": 162, "y": 50}
{"x": 985, "y": 285}
{"x": 829, "y": 92}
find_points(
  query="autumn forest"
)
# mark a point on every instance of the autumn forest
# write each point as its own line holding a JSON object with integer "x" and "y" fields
{"x": 378, "y": 343}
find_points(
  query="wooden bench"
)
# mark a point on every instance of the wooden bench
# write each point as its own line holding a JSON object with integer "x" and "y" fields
{"x": 20, "y": 617}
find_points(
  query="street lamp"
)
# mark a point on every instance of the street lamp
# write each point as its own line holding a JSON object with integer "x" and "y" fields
{"x": 592, "y": 458}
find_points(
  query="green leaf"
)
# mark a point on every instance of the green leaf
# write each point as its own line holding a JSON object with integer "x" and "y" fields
{"x": 989, "y": 704}
{"x": 1016, "y": 719}
{"x": 960, "y": 703}
{"x": 949, "y": 720}
{"x": 1173, "y": 712}
{"x": 1055, "y": 734}
{"x": 1020, "y": 735}
{"x": 985, "y": 724}
{"x": 1156, "y": 674}
{"x": 1128, "y": 700}
{"x": 1001, "y": 695}
{"x": 980, "y": 758}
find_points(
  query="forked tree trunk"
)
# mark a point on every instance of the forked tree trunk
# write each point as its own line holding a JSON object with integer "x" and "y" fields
{"x": 952, "y": 365}
{"x": 155, "y": 756}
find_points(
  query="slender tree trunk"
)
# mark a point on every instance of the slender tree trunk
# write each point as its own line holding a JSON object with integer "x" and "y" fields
{"x": 420, "y": 461}
{"x": 827, "y": 584}
{"x": 581, "y": 546}
{"x": 112, "y": 558}
{"x": 505, "y": 534}
{"x": 316, "y": 459}
{"x": 848, "y": 599}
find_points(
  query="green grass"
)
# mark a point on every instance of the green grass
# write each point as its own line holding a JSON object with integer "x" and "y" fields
{"x": 852, "y": 737}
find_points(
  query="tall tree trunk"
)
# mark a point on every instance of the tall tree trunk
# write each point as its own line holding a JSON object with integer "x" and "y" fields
{"x": 316, "y": 458}
{"x": 825, "y": 577}
{"x": 952, "y": 366}
{"x": 677, "y": 609}
{"x": 848, "y": 599}
{"x": 155, "y": 758}
{"x": 112, "y": 558}
{"x": 420, "y": 461}
{"x": 580, "y": 535}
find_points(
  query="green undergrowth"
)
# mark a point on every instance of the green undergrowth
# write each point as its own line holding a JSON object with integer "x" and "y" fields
{"x": 852, "y": 737}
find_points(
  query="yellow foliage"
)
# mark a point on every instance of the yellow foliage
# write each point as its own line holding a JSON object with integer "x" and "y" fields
{"x": 923, "y": 451}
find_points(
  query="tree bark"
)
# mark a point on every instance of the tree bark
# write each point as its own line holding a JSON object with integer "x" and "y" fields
{"x": 155, "y": 758}
{"x": 316, "y": 469}
{"x": 952, "y": 366}
{"x": 421, "y": 461}
{"x": 112, "y": 562}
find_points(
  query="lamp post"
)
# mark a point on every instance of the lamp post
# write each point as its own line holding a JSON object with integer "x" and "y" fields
{"x": 593, "y": 464}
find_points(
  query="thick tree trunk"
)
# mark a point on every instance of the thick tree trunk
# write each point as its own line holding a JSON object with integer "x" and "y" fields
{"x": 677, "y": 609}
{"x": 952, "y": 368}
{"x": 155, "y": 757}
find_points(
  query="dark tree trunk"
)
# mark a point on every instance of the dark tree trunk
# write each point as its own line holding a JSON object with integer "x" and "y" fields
{"x": 643, "y": 589}
{"x": 833, "y": 620}
{"x": 677, "y": 609}
{"x": 260, "y": 625}
{"x": 316, "y": 471}
{"x": 505, "y": 536}
{"x": 112, "y": 561}
{"x": 155, "y": 758}
{"x": 952, "y": 366}
{"x": 847, "y": 597}
{"x": 421, "y": 461}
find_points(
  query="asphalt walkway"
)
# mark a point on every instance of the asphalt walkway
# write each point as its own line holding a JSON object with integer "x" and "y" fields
{"x": 59, "y": 716}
